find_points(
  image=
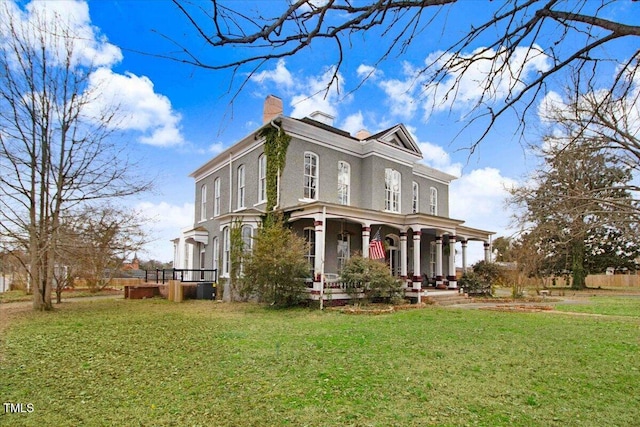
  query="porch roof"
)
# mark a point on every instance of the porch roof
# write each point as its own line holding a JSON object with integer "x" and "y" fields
{"x": 367, "y": 217}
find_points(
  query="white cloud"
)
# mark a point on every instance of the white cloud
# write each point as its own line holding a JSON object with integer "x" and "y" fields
{"x": 479, "y": 198}
{"x": 317, "y": 93}
{"x": 435, "y": 156}
{"x": 368, "y": 72}
{"x": 459, "y": 91}
{"x": 279, "y": 75}
{"x": 353, "y": 123}
{"x": 166, "y": 221}
{"x": 138, "y": 107}
{"x": 60, "y": 22}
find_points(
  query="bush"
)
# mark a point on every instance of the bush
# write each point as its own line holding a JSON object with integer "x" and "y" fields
{"x": 272, "y": 270}
{"x": 370, "y": 277}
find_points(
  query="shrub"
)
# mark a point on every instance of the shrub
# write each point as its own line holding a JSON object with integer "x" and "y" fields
{"x": 275, "y": 266}
{"x": 370, "y": 277}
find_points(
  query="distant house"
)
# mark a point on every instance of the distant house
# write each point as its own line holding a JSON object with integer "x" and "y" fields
{"x": 340, "y": 192}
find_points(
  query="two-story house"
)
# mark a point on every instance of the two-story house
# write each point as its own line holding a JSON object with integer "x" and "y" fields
{"x": 339, "y": 192}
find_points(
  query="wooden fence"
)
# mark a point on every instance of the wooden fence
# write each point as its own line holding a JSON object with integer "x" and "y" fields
{"x": 613, "y": 281}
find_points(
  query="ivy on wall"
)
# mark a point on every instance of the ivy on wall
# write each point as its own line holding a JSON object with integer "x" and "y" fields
{"x": 275, "y": 149}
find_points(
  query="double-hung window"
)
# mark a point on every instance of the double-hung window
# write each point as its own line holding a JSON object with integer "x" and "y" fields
{"x": 310, "y": 176}
{"x": 241, "y": 188}
{"x": 262, "y": 178}
{"x": 433, "y": 201}
{"x": 226, "y": 252}
{"x": 216, "y": 197}
{"x": 416, "y": 198}
{"x": 344, "y": 181}
{"x": 203, "y": 203}
{"x": 392, "y": 181}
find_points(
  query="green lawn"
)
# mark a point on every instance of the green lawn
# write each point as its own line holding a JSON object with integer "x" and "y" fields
{"x": 200, "y": 363}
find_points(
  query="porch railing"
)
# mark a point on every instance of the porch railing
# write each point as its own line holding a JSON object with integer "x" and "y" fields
{"x": 181, "y": 274}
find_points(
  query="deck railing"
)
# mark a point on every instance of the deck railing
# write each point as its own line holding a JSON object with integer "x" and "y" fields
{"x": 181, "y": 274}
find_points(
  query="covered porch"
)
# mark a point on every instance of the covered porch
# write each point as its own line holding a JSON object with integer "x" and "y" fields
{"x": 419, "y": 249}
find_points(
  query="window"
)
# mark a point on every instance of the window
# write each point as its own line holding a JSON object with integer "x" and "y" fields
{"x": 310, "y": 238}
{"x": 343, "y": 250}
{"x": 432, "y": 259}
{"x": 247, "y": 238}
{"x": 310, "y": 176}
{"x": 262, "y": 178}
{"x": 216, "y": 252}
{"x": 344, "y": 179}
{"x": 226, "y": 252}
{"x": 240, "y": 186}
{"x": 416, "y": 197}
{"x": 203, "y": 252}
{"x": 203, "y": 203}
{"x": 433, "y": 201}
{"x": 216, "y": 197}
{"x": 392, "y": 190}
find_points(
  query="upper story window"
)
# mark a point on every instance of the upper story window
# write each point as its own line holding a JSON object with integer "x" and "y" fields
{"x": 433, "y": 201}
{"x": 310, "y": 176}
{"x": 392, "y": 180}
{"x": 416, "y": 197}
{"x": 216, "y": 197}
{"x": 344, "y": 182}
{"x": 262, "y": 178}
{"x": 241, "y": 188}
{"x": 203, "y": 203}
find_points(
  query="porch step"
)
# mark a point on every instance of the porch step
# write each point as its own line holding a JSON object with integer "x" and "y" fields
{"x": 446, "y": 299}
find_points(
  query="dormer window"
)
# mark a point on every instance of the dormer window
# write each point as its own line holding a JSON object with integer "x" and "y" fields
{"x": 392, "y": 179}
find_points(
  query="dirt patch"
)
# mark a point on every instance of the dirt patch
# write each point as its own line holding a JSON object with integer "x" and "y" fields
{"x": 519, "y": 308}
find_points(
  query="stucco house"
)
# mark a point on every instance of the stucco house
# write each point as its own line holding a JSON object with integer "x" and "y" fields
{"x": 340, "y": 191}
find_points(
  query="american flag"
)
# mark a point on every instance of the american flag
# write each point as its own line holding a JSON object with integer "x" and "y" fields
{"x": 376, "y": 247}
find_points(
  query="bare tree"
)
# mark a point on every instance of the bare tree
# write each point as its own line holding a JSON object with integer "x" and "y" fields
{"x": 94, "y": 244}
{"x": 571, "y": 36}
{"x": 57, "y": 149}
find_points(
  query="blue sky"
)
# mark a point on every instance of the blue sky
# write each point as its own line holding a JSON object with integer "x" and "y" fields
{"x": 182, "y": 115}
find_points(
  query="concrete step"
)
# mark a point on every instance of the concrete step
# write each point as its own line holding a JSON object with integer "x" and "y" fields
{"x": 449, "y": 298}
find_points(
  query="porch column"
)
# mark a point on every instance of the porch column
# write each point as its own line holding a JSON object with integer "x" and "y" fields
{"x": 318, "y": 255}
{"x": 487, "y": 252}
{"x": 417, "y": 278}
{"x": 452, "y": 278}
{"x": 464, "y": 257}
{"x": 366, "y": 232}
{"x": 439, "y": 260}
{"x": 403, "y": 255}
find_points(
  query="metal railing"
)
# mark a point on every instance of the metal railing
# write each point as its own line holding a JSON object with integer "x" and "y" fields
{"x": 181, "y": 274}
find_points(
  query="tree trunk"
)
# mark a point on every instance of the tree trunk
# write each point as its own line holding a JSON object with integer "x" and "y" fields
{"x": 579, "y": 274}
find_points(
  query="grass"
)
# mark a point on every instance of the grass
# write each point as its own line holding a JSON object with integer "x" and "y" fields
{"x": 200, "y": 363}
{"x": 607, "y": 305}
{"x": 21, "y": 296}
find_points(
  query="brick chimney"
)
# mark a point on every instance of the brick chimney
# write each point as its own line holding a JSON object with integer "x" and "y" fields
{"x": 363, "y": 134}
{"x": 272, "y": 108}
